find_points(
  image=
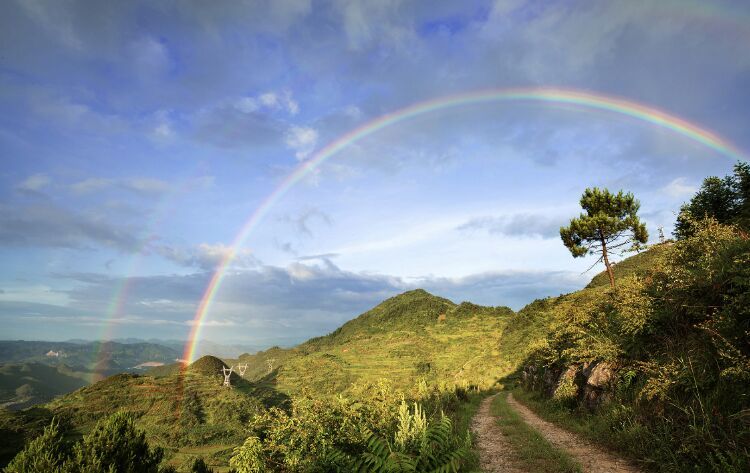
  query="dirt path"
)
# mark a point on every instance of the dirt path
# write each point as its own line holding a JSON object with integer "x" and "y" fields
{"x": 592, "y": 458}
{"x": 494, "y": 449}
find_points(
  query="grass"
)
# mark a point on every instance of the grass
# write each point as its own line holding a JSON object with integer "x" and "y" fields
{"x": 462, "y": 422}
{"x": 411, "y": 337}
{"x": 533, "y": 451}
{"x": 590, "y": 426}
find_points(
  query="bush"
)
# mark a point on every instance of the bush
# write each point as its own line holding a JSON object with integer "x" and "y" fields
{"x": 114, "y": 446}
{"x": 322, "y": 435}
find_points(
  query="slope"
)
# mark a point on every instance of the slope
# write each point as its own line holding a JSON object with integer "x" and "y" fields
{"x": 410, "y": 337}
{"x": 663, "y": 360}
{"x": 25, "y": 384}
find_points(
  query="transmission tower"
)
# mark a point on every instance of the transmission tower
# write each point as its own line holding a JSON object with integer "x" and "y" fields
{"x": 270, "y": 364}
{"x": 227, "y": 374}
{"x": 242, "y": 369}
{"x": 662, "y": 239}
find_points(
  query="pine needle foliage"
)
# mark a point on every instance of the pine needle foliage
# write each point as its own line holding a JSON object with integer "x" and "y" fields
{"x": 610, "y": 222}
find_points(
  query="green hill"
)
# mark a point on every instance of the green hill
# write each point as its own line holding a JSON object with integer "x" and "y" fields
{"x": 637, "y": 265}
{"x": 189, "y": 413}
{"x": 413, "y": 336}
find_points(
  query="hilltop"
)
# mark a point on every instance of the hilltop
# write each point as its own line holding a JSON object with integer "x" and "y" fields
{"x": 410, "y": 337}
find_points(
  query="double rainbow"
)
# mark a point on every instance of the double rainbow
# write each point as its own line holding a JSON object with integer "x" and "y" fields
{"x": 586, "y": 100}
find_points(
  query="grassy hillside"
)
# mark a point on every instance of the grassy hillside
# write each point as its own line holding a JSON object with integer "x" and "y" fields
{"x": 637, "y": 265}
{"x": 413, "y": 336}
{"x": 663, "y": 360}
{"x": 528, "y": 330}
{"x": 189, "y": 413}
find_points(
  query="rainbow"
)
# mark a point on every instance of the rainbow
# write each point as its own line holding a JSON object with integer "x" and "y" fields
{"x": 586, "y": 100}
{"x": 116, "y": 305}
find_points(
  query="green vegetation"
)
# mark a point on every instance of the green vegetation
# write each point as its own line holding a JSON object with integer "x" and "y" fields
{"x": 532, "y": 450}
{"x": 610, "y": 222}
{"x": 411, "y": 337}
{"x": 114, "y": 445}
{"x": 671, "y": 347}
{"x": 726, "y": 200}
{"x": 368, "y": 431}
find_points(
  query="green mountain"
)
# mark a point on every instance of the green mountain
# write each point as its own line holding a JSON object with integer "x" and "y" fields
{"x": 407, "y": 338}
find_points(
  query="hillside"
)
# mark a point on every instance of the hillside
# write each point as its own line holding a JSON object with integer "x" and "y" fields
{"x": 26, "y": 384}
{"x": 663, "y": 360}
{"x": 188, "y": 413}
{"x": 410, "y": 337}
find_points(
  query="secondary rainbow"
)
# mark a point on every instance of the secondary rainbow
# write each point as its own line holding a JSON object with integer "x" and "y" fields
{"x": 584, "y": 99}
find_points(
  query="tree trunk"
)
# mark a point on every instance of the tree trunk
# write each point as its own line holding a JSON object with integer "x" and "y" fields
{"x": 610, "y": 273}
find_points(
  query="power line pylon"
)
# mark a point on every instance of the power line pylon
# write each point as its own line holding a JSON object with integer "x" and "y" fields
{"x": 227, "y": 375}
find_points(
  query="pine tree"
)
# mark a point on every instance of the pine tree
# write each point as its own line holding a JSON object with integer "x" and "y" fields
{"x": 45, "y": 454}
{"x": 610, "y": 222}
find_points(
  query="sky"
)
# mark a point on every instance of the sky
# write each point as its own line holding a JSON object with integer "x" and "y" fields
{"x": 138, "y": 138}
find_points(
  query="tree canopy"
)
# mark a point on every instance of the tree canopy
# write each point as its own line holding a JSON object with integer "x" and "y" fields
{"x": 610, "y": 222}
{"x": 726, "y": 200}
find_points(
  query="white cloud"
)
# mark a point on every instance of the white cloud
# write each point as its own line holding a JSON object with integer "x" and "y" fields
{"x": 208, "y": 256}
{"x": 247, "y": 105}
{"x": 269, "y": 101}
{"x": 679, "y": 187}
{"x": 162, "y": 131}
{"x": 34, "y": 183}
{"x": 302, "y": 140}
{"x": 150, "y": 58}
{"x": 91, "y": 184}
{"x": 140, "y": 185}
{"x": 146, "y": 185}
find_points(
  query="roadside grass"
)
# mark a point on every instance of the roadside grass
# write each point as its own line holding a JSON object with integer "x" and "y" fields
{"x": 462, "y": 418}
{"x": 591, "y": 426}
{"x": 533, "y": 451}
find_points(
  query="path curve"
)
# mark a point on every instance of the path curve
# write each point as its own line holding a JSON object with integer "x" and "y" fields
{"x": 495, "y": 452}
{"x": 591, "y": 457}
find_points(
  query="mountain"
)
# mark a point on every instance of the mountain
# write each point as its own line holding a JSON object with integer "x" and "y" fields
{"x": 26, "y": 384}
{"x": 33, "y": 372}
{"x": 187, "y": 412}
{"x": 410, "y": 337}
{"x": 104, "y": 357}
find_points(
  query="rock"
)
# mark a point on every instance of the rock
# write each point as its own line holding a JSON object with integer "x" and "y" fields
{"x": 601, "y": 375}
{"x": 566, "y": 387}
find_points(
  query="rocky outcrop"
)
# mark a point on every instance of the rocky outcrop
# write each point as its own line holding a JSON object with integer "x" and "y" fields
{"x": 589, "y": 384}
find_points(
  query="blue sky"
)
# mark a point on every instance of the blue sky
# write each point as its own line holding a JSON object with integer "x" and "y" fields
{"x": 137, "y": 138}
